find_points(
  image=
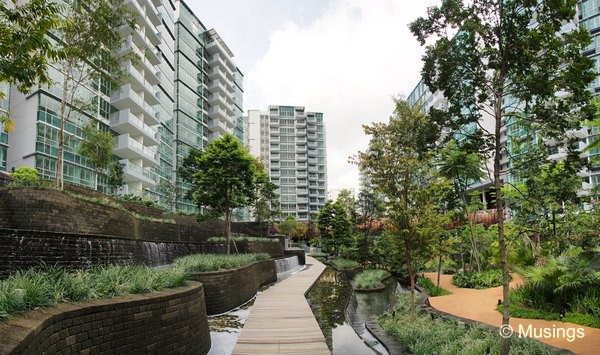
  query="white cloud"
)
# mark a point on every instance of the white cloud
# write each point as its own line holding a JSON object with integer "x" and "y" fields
{"x": 348, "y": 64}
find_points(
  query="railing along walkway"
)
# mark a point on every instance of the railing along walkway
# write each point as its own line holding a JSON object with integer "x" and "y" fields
{"x": 281, "y": 321}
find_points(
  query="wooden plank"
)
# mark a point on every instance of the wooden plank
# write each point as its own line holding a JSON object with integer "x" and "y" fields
{"x": 281, "y": 321}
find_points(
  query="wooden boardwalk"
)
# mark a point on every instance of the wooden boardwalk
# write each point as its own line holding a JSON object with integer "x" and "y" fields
{"x": 281, "y": 321}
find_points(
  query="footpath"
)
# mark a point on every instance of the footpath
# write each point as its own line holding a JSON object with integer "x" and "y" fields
{"x": 480, "y": 305}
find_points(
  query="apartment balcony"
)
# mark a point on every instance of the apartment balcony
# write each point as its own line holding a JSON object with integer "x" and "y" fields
{"x": 300, "y": 124}
{"x": 312, "y": 153}
{"x": 216, "y": 87}
{"x": 217, "y": 114}
{"x": 153, "y": 56}
{"x": 301, "y": 157}
{"x": 300, "y": 132}
{"x": 216, "y": 100}
{"x": 152, "y": 13}
{"x": 127, "y": 98}
{"x": 136, "y": 173}
{"x": 560, "y": 155}
{"x": 216, "y": 73}
{"x": 129, "y": 148}
{"x": 217, "y": 126}
{"x": 312, "y": 161}
{"x": 312, "y": 145}
{"x": 311, "y": 128}
{"x": 312, "y": 169}
{"x": 124, "y": 122}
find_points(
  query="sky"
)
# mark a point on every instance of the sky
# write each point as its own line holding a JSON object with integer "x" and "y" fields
{"x": 345, "y": 58}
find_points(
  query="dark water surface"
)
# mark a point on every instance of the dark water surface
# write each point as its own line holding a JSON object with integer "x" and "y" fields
{"x": 342, "y": 313}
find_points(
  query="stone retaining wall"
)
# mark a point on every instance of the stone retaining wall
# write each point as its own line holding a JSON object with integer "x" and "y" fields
{"x": 25, "y": 249}
{"x": 169, "y": 322}
{"x": 225, "y": 290}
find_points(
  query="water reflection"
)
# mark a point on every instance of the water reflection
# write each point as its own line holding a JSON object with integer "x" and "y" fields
{"x": 342, "y": 313}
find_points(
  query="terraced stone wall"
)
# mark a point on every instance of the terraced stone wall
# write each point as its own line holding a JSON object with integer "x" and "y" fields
{"x": 169, "y": 322}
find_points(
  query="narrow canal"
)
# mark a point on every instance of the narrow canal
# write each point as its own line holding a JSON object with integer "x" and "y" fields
{"x": 342, "y": 313}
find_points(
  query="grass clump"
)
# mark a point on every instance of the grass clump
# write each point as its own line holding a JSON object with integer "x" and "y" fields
{"x": 216, "y": 262}
{"x": 432, "y": 290}
{"x": 49, "y": 286}
{"x": 370, "y": 279}
{"x": 244, "y": 239}
{"x": 444, "y": 336}
{"x": 478, "y": 280}
{"x": 341, "y": 263}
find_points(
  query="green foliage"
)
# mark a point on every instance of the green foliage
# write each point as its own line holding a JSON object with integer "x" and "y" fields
{"x": 432, "y": 290}
{"x": 147, "y": 201}
{"x": 97, "y": 147}
{"x": 288, "y": 226}
{"x": 216, "y": 262}
{"x": 25, "y": 176}
{"x": 516, "y": 310}
{"x": 25, "y": 43}
{"x": 116, "y": 176}
{"x": 478, "y": 279}
{"x": 245, "y": 239}
{"x": 223, "y": 176}
{"x": 48, "y": 286}
{"x": 341, "y": 263}
{"x": 569, "y": 282}
{"x": 334, "y": 227}
{"x": 369, "y": 279}
{"x": 425, "y": 335}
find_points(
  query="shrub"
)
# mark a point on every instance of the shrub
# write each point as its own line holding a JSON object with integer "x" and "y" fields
{"x": 570, "y": 282}
{"x": 479, "y": 280}
{"x": 341, "y": 263}
{"x": 216, "y": 262}
{"x": 432, "y": 290}
{"x": 48, "y": 286}
{"x": 425, "y": 335}
{"x": 28, "y": 177}
{"x": 369, "y": 279}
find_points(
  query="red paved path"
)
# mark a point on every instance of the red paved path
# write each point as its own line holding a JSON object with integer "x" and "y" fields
{"x": 480, "y": 305}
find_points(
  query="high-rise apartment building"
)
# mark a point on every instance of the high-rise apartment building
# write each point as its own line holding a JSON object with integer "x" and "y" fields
{"x": 291, "y": 144}
{"x": 184, "y": 91}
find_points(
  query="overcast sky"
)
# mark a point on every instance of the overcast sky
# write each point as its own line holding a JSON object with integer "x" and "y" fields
{"x": 345, "y": 58}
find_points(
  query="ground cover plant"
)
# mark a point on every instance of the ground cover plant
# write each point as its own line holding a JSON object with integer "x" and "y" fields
{"x": 425, "y": 335}
{"x": 341, "y": 263}
{"x": 48, "y": 286}
{"x": 479, "y": 280}
{"x": 567, "y": 284}
{"x": 244, "y": 239}
{"x": 370, "y": 279}
{"x": 216, "y": 262}
{"x": 432, "y": 290}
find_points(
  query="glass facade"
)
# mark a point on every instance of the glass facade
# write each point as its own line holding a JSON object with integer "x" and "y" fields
{"x": 4, "y": 98}
{"x": 589, "y": 18}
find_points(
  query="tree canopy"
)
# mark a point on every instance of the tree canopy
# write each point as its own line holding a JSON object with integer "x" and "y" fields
{"x": 223, "y": 176}
{"x": 514, "y": 61}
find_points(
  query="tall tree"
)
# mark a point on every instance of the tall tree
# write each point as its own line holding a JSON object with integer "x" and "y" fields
{"x": 116, "y": 176}
{"x": 97, "y": 148}
{"x": 346, "y": 199}
{"x": 509, "y": 61}
{"x": 369, "y": 210}
{"x": 400, "y": 166}
{"x": 224, "y": 176}
{"x": 266, "y": 205}
{"x": 25, "y": 46}
{"x": 462, "y": 168}
{"x": 90, "y": 37}
{"x": 334, "y": 226}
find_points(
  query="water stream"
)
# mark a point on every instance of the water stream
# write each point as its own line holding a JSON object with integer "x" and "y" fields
{"x": 287, "y": 267}
{"x": 342, "y": 313}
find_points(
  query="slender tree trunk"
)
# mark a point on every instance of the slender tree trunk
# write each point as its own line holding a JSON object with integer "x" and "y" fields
{"x": 439, "y": 269}
{"x": 474, "y": 252}
{"x": 228, "y": 223}
{"x": 505, "y": 349}
{"x": 59, "y": 181}
{"x": 411, "y": 275}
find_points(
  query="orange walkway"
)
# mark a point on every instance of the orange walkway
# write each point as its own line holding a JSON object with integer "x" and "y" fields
{"x": 480, "y": 305}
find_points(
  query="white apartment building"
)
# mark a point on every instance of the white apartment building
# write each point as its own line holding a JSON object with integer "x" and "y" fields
{"x": 291, "y": 144}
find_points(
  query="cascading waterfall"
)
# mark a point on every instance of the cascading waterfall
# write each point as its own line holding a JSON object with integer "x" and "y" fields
{"x": 155, "y": 254}
{"x": 287, "y": 266}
